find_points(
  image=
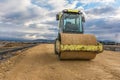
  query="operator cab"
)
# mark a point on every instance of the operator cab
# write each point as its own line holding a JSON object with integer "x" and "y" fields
{"x": 71, "y": 21}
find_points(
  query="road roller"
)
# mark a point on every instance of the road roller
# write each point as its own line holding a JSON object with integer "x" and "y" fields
{"x": 71, "y": 42}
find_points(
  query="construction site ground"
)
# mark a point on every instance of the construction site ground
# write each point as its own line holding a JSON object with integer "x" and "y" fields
{"x": 40, "y": 63}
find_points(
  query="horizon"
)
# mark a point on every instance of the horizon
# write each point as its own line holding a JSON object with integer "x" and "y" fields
{"x": 24, "y": 40}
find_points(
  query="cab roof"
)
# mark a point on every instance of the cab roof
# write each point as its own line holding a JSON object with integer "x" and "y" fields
{"x": 71, "y": 11}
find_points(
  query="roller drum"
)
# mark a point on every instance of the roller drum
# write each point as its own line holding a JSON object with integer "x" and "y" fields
{"x": 77, "y": 39}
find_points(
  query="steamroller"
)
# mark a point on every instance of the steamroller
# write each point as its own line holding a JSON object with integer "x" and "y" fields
{"x": 71, "y": 43}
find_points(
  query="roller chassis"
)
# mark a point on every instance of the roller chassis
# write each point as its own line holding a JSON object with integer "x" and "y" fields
{"x": 71, "y": 43}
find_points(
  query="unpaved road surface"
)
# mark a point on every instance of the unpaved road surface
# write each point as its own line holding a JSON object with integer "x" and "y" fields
{"x": 40, "y": 63}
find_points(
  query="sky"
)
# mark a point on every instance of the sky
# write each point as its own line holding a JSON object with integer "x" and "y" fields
{"x": 35, "y": 19}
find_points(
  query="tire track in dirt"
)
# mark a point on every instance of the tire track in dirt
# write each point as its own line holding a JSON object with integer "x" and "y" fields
{"x": 40, "y": 63}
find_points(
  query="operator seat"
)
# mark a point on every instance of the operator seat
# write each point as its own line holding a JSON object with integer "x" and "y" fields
{"x": 69, "y": 27}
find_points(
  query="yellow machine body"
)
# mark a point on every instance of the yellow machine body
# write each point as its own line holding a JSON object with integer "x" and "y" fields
{"x": 71, "y": 43}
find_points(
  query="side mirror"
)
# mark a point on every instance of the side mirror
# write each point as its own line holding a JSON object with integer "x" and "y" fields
{"x": 57, "y": 16}
{"x": 83, "y": 19}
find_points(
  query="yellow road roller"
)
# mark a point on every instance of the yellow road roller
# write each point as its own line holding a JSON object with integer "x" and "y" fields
{"x": 71, "y": 43}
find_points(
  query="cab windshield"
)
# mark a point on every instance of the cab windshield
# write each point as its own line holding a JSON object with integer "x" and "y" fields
{"x": 71, "y": 23}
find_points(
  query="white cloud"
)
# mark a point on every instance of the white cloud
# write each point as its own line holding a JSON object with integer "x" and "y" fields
{"x": 109, "y": 13}
{"x": 112, "y": 37}
{"x": 13, "y": 6}
{"x": 114, "y": 16}
{"x": 93, "y": 26}
{"x": 36, "y": 18}
{"x": 97, "y": 1}
{"x": 117, "y": 37}
{"x": 29, "y": 36}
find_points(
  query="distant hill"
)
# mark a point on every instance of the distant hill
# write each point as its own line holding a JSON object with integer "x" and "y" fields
{"x": 43, "y": 41}
{"x": 14, "y": 39}
{"x": 108, "y": 42}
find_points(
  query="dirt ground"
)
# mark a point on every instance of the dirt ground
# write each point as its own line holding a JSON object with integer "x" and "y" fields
{"x": 40, "y": 63}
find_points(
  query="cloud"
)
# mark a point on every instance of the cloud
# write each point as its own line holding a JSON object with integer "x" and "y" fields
{"x": 34, "y": 19}
{"x": 13, "y": 6}
{"x": 97, "y": 1}
{"x": 103, "y": 22}
{"x": 104, "y": 28}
